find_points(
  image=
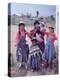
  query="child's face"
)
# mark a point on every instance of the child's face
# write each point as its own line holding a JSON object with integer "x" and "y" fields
{"x": 22, "y": 27}
{"x": 33, "y": 43}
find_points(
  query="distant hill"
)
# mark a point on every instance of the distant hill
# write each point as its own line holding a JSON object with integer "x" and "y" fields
{"x": 15, "y": 19}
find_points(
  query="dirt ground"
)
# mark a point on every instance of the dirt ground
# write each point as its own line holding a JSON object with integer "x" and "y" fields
{"x": 16, "y": 72}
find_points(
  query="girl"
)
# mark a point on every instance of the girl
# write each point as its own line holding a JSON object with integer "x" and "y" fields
{"x": 22, "y": 47}
{"x": 49, "y": 47}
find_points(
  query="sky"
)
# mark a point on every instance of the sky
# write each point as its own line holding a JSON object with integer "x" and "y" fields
{"x": 44, "y": 10}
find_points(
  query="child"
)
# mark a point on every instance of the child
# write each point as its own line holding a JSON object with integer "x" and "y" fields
{"x": 49, "y": 47}
{"x": 34, "y": 56}
{"x": 22, "y": 47}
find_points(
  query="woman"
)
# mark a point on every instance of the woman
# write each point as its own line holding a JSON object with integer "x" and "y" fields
{"x": 49, "y": 47}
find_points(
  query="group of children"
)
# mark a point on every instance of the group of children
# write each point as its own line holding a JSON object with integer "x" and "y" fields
{"x": 32, "y": 57}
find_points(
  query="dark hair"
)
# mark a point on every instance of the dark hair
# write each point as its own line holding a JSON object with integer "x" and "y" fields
{"x": 21, "y": 24}
{"x": 34, "y": 40}
{"x": 36, "y": 22}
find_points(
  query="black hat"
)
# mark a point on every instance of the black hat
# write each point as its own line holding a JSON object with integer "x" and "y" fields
{"x": 33, "y": 39}
{"x": 36, "y": 22}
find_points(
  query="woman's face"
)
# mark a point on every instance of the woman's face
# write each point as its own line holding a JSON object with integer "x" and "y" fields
{"x": 37, "y": 27}
{"x": 22, "y": 28}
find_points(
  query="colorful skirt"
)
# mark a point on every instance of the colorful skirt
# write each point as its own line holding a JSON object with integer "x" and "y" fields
{"x": 50, "y": 51}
